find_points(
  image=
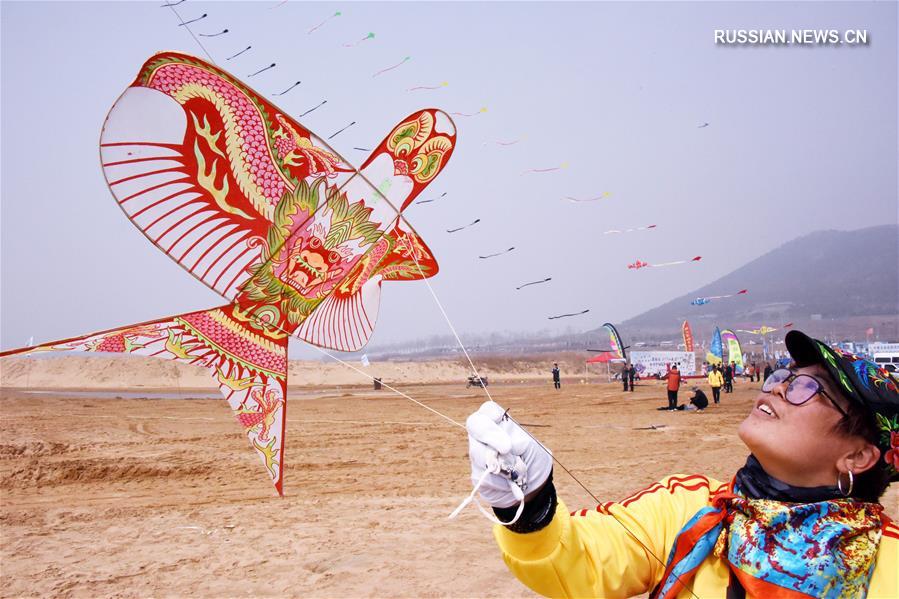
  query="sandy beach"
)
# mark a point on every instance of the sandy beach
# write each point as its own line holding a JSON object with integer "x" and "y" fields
{"x": 116, "y": 493}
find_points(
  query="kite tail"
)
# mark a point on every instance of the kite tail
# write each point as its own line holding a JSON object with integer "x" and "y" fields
{"x": 246, "y": 357}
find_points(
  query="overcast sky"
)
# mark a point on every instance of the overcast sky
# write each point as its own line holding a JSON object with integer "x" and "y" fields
{"x": 798, "y": 139}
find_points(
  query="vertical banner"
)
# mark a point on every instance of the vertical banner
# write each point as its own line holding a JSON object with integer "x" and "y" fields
{"x": 734, "y": 352}
{"x": 688, "y": 336}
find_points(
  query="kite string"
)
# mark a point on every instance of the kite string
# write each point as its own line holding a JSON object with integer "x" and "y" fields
{"x": 397, "y": 391}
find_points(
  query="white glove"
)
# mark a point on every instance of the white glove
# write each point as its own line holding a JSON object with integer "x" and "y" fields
{"x": 516, "y": 462}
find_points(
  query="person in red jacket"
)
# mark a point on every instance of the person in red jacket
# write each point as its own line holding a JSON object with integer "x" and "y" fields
{"x": 673, "y": 377}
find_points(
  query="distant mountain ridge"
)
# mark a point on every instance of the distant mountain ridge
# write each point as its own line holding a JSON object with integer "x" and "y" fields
{"x": 820, "y": 277}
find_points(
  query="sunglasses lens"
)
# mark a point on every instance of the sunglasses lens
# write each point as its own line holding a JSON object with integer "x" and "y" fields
{"x": 801, "y": 390}
{"x": 776, "y": 378}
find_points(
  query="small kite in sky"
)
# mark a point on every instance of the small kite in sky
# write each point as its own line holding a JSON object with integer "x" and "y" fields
{"x": 357, "y": 42}
{"x": 546, "y": 170}
{"x": 342, "y": 130}
{"x": 422, "y": 87}
{"x": 613, "y": 231}
{"x": 640, "y": 264}
{"x": 481, "y": 111}
{"x": 701, "y": 301}
{"x": 703, "y": 126}
{"x": 601, "y": 196}
{"x": 239, "y": 53}
{"x": 474, "y": 222}
{"x": 288, "y": 89}
{"x": 497, "y": 254}
{"x": 192, "y": 20}
{"x": 547, "y": 279}
{"x": 222, "y": 32}
{"x": 400, "y": 63}
{"x": 262, "y": 70}
{"x": 432, "y": 199}
{"x": 567, "y": 315}
{"x": 336, "y": 14}
{"x": 499, "y": 142}
{"x": 320, "y": 104}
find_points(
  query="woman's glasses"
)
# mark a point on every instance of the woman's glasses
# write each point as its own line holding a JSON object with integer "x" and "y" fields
{"x": 801, "y": 388}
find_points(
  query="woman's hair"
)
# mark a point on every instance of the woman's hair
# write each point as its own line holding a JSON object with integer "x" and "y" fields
{"x": 870, "y": 484}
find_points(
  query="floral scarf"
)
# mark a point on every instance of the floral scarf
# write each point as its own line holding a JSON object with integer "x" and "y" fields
{"x": 779, "y": 549}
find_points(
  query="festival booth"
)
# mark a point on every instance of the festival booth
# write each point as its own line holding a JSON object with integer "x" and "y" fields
{"x": 607, "y": 358}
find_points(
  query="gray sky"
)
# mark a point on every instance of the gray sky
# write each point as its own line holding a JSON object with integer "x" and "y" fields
{"x": 799, "y": 139}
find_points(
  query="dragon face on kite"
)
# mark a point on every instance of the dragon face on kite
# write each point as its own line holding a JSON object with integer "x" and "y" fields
{"x": 265, "y": 213}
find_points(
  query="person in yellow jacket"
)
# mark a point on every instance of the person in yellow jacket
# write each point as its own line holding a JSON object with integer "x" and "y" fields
{"x": 715, "y": 382}
{"x": 800, "y": 519}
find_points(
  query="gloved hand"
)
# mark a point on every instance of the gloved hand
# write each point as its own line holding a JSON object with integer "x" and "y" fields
{"x": 517, "y": 463}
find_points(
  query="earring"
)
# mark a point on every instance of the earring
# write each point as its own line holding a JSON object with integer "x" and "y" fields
{"x": 847, "y": 492}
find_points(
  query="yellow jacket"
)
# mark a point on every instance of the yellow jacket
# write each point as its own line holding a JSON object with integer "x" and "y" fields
{"x": 715, "y": 378}
{"x": 589, "y": 554}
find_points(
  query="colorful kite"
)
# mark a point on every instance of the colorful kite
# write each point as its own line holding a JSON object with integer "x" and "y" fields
{"x": 482, "y": 110}
{"x": 701, "y": 301}
{"x": 716, "y": 351}
{"x": 762, "y": 330}
{"x": 370, "y": 36}
{"x": 688, "y": 336}
{"x": 615, "y": 341}
{"x": 400, "y": 63}
{"x": 640, "y": 264}
{"x": 734, "y": 352}
{"x": 336, "y": 14}
{"x": 613, "y": 231}
{"x": 545, "y": 170}
{"x": 421, "y": 87}
{"x": 265, "y": 213}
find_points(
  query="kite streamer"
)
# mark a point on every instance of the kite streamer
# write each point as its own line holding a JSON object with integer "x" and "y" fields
{"x": 192, "y": 21}
{"x": 547, "y": 279}
{"x": 701, "y": 301}
{"x": 323, "y": 102}
{"x": 239, "y": 53}
{"x": 342, "y": 130}
{"x": 614, "y": 231}
{"x": 497, "y": 254}
{"x": 703, "y": 126}
{"x": 546, "y": 170}
{"x": 224, "y": 31}
{"x": 258, "y": 208}
{"x": 567, "y": 315}
{"x": 289, "y": 88}
{"x": 362, "y": 149}
{"x": 640, "y": 264}
{"x": 406, "y": 59}
{"x": 421, "y": 87}
{"x": 356, "y": 43}
{"x": 271, "y": 66}
{"x": 603, "y": 196}
{"x": 336, "y": 14}
{"x": 481, "y": 111}
{"x": 432, "y": 199}
{"x": 474, "y": 222}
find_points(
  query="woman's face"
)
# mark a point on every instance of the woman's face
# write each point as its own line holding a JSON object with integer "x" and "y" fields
{"x": 798, "y": 444}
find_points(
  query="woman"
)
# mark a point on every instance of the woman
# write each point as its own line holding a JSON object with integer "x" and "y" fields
{"x": 800, "y": 519}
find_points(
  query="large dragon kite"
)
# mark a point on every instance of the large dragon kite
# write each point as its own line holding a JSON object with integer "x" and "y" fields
{"x": 262, "y": 211}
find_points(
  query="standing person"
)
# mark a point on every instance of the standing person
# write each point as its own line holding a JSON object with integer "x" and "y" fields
{"x": 768, "y": 371}
{"x": 631, "y": 375}
{"x": 728, "y": 379}
{"x": 802, "y": 517}
{"x": 624, "y": 374}
{"x": 557, "y": 380}
{"x": 715, "y": 382}
{"x": 673, "y": 377}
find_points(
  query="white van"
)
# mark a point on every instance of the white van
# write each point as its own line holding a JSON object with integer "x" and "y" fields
{"x": 889, "y": 361}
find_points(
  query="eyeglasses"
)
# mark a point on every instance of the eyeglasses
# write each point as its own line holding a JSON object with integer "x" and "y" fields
{"x": 801, "y": 388}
